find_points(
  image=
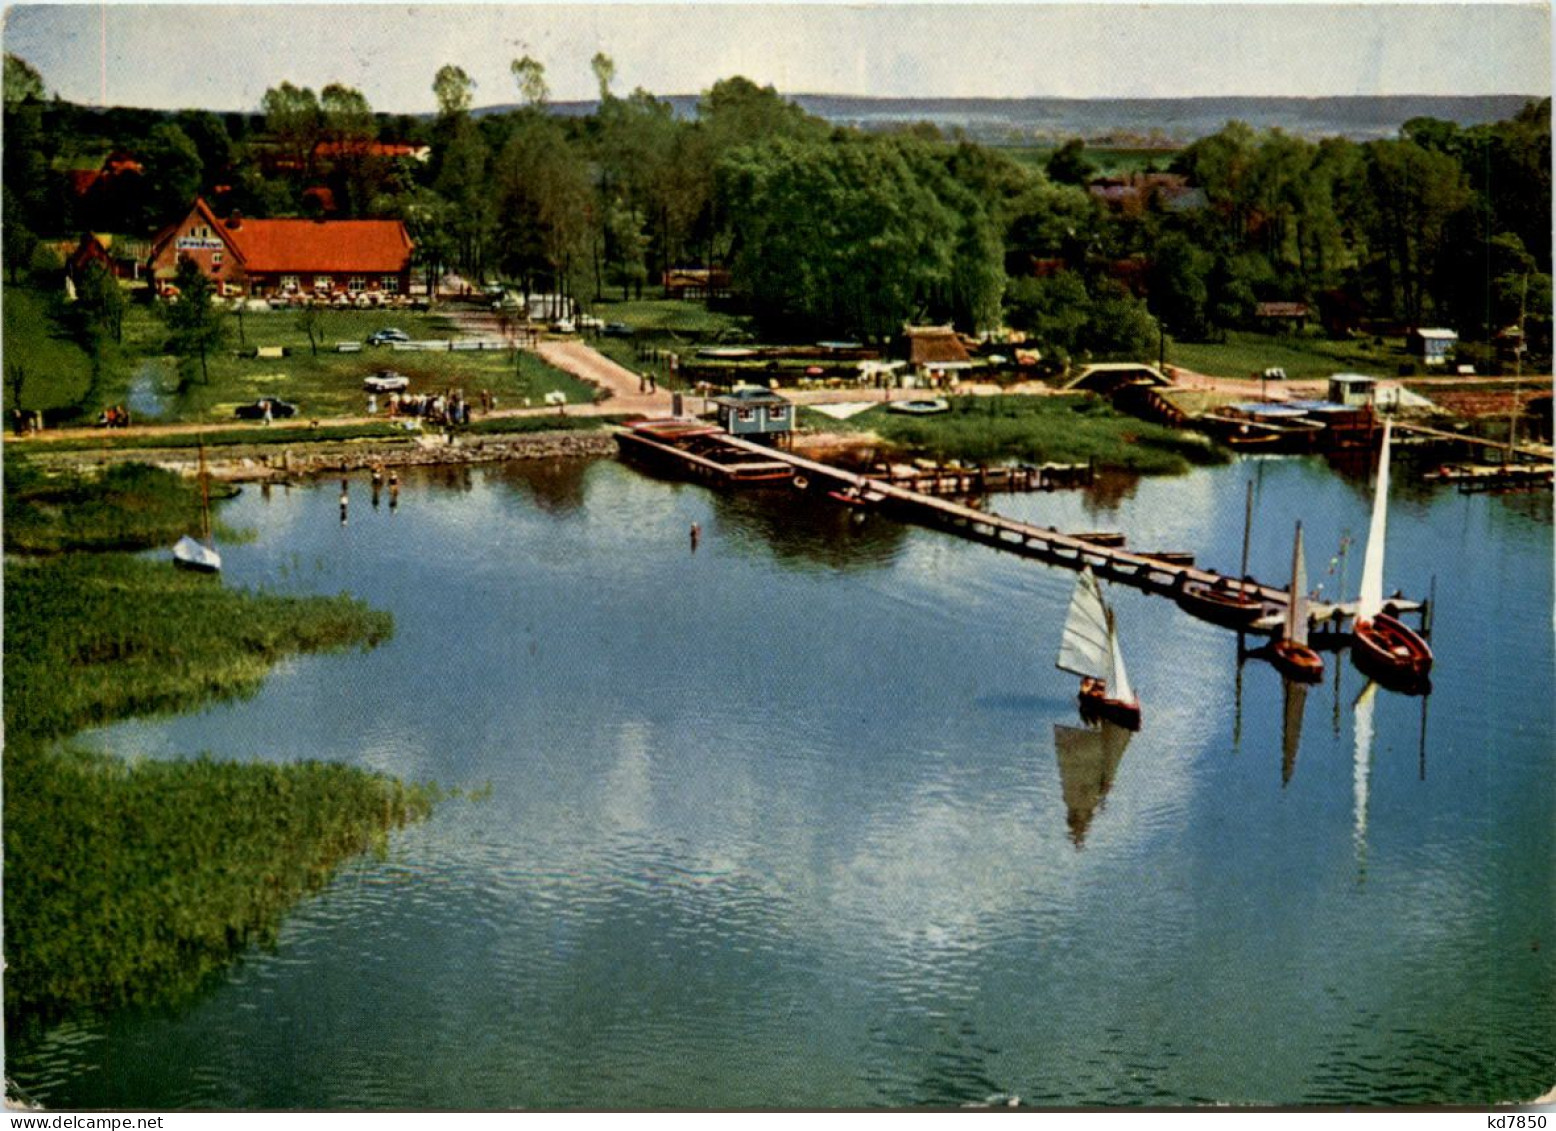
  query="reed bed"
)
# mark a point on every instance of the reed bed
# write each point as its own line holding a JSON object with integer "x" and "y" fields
{"x": 135, "y": 883}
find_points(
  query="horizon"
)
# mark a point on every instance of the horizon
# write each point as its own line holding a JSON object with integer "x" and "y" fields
{"x": 95, "y": 55}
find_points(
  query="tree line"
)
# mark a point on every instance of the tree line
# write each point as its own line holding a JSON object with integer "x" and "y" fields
{"x": 830, "y": 230}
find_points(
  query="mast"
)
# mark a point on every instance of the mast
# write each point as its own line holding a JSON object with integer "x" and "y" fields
{"x": 205, "y": 498}
{"x": 1247, "y": 528}
{"x": 1296, "y": 608}
{"x": 1370, "y": 602}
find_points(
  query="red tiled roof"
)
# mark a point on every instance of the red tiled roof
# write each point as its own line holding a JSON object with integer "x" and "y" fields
{"x": 368, "y": 149}
{"x": 368, "y": 246}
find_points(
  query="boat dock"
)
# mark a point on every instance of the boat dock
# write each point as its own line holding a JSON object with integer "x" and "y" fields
{"x": 1164, "y": 573}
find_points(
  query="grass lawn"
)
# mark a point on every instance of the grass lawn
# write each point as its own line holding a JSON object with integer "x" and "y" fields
{"x": 1303, "y": 357}
{"x": 655, "y": 318}
{"x": 58, "y": 373}
{"x": 1058, "y": 429}
{"x": 328, "y": 383}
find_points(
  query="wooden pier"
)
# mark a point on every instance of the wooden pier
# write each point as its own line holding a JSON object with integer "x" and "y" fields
{"x": 1164, "y": 574}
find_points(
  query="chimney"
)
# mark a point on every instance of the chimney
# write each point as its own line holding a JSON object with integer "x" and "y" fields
{"x": 235, "y": 221}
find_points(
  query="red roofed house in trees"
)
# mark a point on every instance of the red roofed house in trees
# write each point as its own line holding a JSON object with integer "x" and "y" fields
{"x": 267, "y": 258}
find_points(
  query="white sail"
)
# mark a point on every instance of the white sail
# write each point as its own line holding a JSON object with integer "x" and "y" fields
{"x": 1085, "y": 649}
{"x": 1370, "y": 603}
{"x": 1118, "y": 682}
{"x": 1296, "y": 609}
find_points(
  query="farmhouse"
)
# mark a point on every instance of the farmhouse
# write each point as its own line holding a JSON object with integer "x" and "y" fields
{"x": 277, "y": 258}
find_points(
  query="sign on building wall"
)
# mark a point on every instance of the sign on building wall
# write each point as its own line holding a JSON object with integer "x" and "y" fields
{"x": 189, "y": 243}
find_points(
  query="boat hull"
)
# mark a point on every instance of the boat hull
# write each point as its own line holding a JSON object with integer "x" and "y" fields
{"x": 196, "y": 557}
{"x": 1391, "y": 653}
{"x": 1297, "y": 661}
{"x": 1223, "y": 606}
{"x": 1096, "y": 706}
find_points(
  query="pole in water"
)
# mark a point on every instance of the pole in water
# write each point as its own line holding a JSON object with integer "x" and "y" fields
{"x": 1247, "y": 528}
{"x": 696, "y": 536}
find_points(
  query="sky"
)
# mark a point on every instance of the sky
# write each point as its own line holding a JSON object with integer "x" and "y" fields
{"x": 224, "y": 56}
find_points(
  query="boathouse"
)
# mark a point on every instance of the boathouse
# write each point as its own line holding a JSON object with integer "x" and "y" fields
{"x": 754, "y": 412}
{"x": 358, "y": 259}
{"x": 1352, "y": 388}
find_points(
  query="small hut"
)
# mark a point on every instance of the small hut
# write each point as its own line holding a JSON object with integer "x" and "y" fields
{"x": 750, "y": 410}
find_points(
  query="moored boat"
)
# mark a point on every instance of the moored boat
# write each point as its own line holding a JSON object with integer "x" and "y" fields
{"x": 199, "y": 555}
{"x": 1383, "y": 647}
{"x": 1291, "y": 653}
{"x": 1221, "y": 602}
{"x": 1089, "y": 649}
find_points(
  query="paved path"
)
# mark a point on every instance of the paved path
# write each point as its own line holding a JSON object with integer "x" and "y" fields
{"x": 589, "y": 364}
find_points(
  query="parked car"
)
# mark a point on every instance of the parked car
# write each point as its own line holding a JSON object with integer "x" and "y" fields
{"x": 384, "y": 337}
{"x": 279, "y": 409}
{"x": 564, "y": 326}
{"x": 589, "y": 322}
{"x": 387, "y": 381}
{"x": 616, "y": 330}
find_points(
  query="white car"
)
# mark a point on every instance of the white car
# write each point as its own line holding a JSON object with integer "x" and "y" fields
{"x": 387, "y": 381}
{"x": 564, "y": 326}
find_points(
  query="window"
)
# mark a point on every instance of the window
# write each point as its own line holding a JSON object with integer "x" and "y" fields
{"x": 391, "y": 284}
{"x": 216, "y": 259}
{"x": 746, "y": 414}
{"x": 322, "y": 283}
{"x": 356, "y": 284}
{"x": 289, "y": 282}
{"x": 775, "y": 413}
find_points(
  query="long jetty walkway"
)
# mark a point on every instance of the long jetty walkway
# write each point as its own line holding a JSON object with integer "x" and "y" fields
{"x": 1165, "y": 575}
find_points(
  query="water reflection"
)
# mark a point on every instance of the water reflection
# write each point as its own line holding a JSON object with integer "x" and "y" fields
{"x": 1088, "y": 762}
{"x": 559, "y": 486}
{"x": 1295, "y": 700}
{"x": 797, "y": 529}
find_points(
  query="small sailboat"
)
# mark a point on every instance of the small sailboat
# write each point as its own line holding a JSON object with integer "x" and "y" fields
{"x": 1089, "y": 649}
{"x": 201, "y": 555}
{"x": 1382, "y": 647}
{"x": 1291, "y": 653}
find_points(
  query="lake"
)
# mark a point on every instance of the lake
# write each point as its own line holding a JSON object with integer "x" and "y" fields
{"x": 802, "y": 819}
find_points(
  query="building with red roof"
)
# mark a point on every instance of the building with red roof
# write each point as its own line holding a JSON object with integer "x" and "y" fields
{"x": 267, "y": 258}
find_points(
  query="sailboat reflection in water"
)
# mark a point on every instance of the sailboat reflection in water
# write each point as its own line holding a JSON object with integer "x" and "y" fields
{"x": 1088, "y": 761}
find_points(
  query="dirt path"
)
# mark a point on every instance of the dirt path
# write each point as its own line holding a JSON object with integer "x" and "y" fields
{"x": 588, "y": 364}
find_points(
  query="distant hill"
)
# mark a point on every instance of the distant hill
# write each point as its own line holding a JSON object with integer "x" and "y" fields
{"x": 1165, "y": 122}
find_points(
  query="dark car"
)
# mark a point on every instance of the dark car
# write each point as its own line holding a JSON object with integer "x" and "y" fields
{"x": 384, "y": 337}
{"x": 256, "y": 411}
{"x": 616, "y": 330}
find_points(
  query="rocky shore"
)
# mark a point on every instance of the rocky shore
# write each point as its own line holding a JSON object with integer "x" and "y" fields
{"x": 275, "y": 463}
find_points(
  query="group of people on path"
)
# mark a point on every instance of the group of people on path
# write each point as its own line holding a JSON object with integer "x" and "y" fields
{"x": 114, "y": 416}
{"x": 448, "y": 407}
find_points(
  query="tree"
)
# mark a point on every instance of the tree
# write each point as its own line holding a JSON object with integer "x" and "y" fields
{"x": 1068, "y": 165}
{"x": 22, "y": 81}
{"x": 172, "y": 175}
{"x": 194, "y": 322}
{"x": 604, "y": 69}
{"x": 1415, "y": 192}
{"x": 310, "y": 320}
{"x": 19, "y": 240}
{"x": 1179, "y": 294}
{"x": 453, "y": 90}
{"x": 292, "y": 118}
{"x": 99, "y": 307}
{"x": 530, "y": 74}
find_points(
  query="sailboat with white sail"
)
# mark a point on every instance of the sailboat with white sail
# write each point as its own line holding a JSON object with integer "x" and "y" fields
{"x": 1291, "y": 653}
{"x": 200, "y": 556}
{"x": 1089, "y": 649}
{"x": 1382, "y": 647}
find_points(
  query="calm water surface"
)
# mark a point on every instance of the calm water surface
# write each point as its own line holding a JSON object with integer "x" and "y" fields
{"x": 798, "y": 819}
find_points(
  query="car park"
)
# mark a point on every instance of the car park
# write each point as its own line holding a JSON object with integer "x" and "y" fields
{"x": 384, "y": 337}
{"x": 386, "y": 381}
{"x": 256, "y": 411}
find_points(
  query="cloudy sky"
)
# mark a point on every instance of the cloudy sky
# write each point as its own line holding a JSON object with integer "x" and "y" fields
{"x": 224, "y": 56}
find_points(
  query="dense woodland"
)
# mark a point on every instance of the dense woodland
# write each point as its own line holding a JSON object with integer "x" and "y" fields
{"x": 835, "y": 231}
